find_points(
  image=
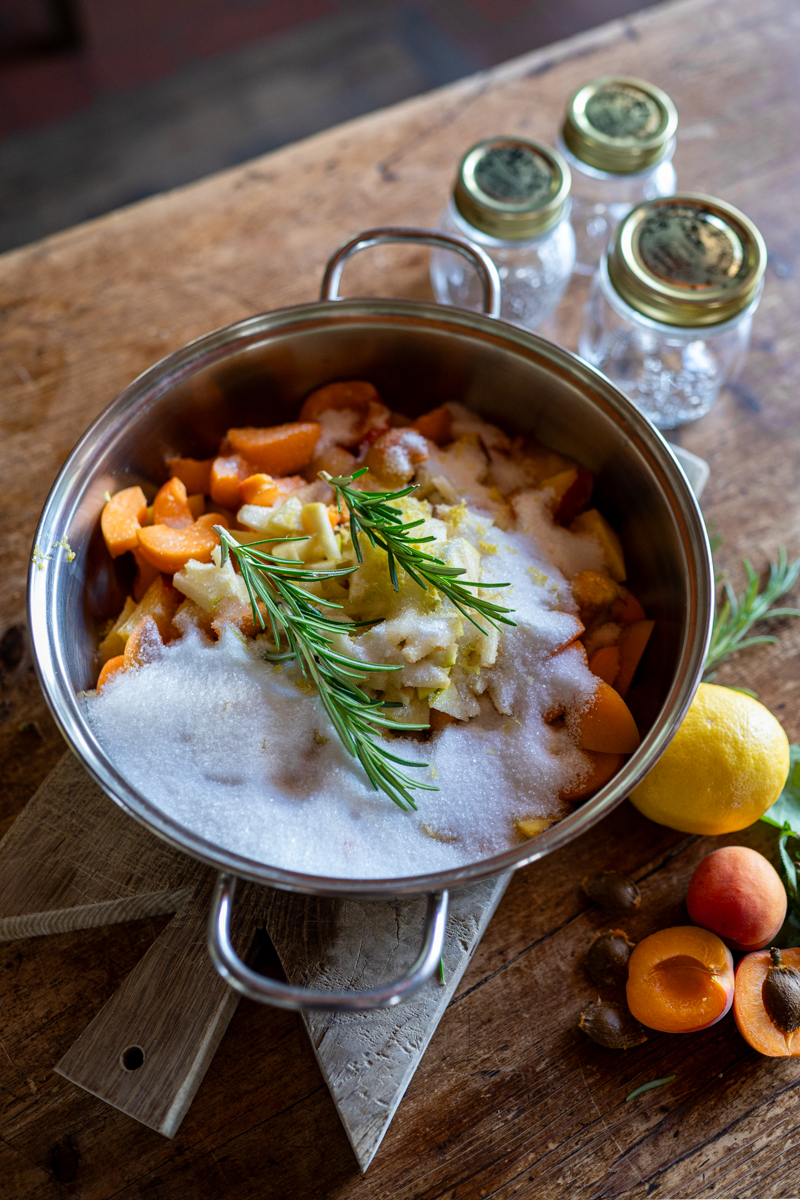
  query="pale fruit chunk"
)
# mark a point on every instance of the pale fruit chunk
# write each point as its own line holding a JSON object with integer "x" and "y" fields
{"x": 594, "y": 522}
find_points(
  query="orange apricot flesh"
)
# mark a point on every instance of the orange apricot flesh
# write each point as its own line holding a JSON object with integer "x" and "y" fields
{"x": 171, "y": 505}
{"x": 603, "y": 767}
{"x": 170, "y": 549}
{"x": 259, "y": 489}
{"x": 604, "y": 663}
{"x": 752, "y": 1019}
{"x": 228, "y": 471}
{"x": 436, "y": 425}
{"x": 278, "y": 449}
{"x": 195, "y": 473}
{"x": 632, "y": 644}
{"x": 680, "y": 980}
{"x": 738, "y": 894}
{"x": 606, "y": 723}
{"x": 113, "y": 667}
{"x": 121, "y": 520}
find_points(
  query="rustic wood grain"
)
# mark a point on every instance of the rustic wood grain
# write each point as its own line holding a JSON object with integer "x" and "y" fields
{"x": 369, "y": 1059}
{"x": 510, "y": 1100}
{"x": 74, "y": 860}
{"x": 174, "y": 1008}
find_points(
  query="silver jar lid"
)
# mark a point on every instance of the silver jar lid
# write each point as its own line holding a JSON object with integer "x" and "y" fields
{"x": 619, "y": 124}
{"x": 687, "y": 260}
{"x": 512, "y": 189}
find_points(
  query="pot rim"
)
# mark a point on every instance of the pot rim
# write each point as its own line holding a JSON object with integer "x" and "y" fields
{"x": 70, "y": 488}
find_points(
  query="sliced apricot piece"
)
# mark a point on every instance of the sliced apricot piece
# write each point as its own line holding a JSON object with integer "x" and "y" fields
{"x": 593, "y": 591}
{"x": 227, "y": 472}
{"x": 145, "y": 574}
{"x": 436, "y": 425}
{"x": 113, "y": 643}
{"x": 121, "y": 520}
{"x": 335, "y": 460}
{"x": 606, "y": 723}
{"x": 278, "y": 449}
{"x": 594, "y": 523}
{"x": 632, "y": 644}
{"x": 171, "y": 505}
{"x": 170, "y": 549}
{"x": 144, "y": 645}
{"x": 604, "y": 663}
{"x": 627, "y": 609}
{"x": 197, "y": 504}
{"x": 680, "y": 980}
{"x": 361, "y": 408}
{"x": 195, "y": 473}
{"x": 109, "y": 669}
{"x": 602, "y": 768}
{"x": 572, "y": 489}
{"x": 160, "y": 601}
{"x": 259, "y": 489}
{"x": 750, "y": 1006}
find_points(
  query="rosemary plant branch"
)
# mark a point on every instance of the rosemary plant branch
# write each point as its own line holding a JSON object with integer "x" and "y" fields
{"x": 372, "y": 514}
{"x": 738, "y": 614}
{"x": 294, "y": 619}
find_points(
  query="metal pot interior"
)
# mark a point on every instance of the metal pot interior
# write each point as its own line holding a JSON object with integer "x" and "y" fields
{"x": 419, "y": 356}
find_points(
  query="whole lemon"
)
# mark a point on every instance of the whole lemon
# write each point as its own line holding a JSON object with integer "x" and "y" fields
{"x": 725, "y": 766}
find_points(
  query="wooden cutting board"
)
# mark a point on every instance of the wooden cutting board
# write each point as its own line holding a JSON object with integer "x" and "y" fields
{"x": 74, "y": 860}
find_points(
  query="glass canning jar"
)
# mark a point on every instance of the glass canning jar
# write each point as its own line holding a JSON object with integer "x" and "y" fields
{"x": 618, "y": 138}
{"x": 671, "y": 306}
{"x": 511, "y": 198}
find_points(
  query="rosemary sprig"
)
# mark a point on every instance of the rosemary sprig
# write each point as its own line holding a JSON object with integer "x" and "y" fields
{"x": 276, "y": 584}
{"x": 739, "y": 614}
{"x": 371, "y": 513}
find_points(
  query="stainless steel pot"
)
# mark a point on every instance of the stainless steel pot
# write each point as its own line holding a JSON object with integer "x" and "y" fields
{"x": 418, "y": 355}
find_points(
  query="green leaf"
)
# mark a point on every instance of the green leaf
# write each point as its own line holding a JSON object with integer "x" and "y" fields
{"x": 785, "y": 812}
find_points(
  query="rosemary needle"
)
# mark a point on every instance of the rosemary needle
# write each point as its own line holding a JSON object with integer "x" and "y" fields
{"x": 274, "y": 584}
{"x": 738, "y": 614}
{"x": 646, "y": 1087}
{"x": 372, "y": 514}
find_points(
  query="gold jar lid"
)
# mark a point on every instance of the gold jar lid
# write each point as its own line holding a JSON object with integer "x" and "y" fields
{"x": 687, "y": 260}
{"x": 619, "y": 124}
{"x": 512, "y": 189}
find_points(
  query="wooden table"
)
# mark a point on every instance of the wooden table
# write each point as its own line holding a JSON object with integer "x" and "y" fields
{"x": 511, "y": 1099}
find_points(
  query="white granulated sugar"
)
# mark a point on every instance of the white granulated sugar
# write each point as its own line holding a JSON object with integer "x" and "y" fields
{"x": 241, "y": 752}
{"x": 570, "y": 552}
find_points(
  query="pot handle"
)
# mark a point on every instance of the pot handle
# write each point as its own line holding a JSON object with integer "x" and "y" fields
{"x": 487, "y": 271}
{"x": 284, "y": 995}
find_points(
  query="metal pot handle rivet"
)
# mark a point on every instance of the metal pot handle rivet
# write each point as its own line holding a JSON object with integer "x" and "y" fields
{"x": 284, "y": 995}
{"x": 487, "y": 271}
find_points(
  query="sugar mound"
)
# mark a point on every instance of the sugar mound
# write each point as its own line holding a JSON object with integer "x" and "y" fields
{"x": 239, "y": 750}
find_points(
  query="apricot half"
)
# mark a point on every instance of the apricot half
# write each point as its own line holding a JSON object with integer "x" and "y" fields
{"x": 680, "y": 980}
{"x": 756, "y": 1026}
{"x": 737, "y": 893}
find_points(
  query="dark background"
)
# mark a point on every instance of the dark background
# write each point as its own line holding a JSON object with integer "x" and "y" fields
{"x": 103, "y": 102}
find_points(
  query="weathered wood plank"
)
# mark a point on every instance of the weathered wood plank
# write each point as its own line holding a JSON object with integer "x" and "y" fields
{"x": 369, "y": 1059}
{"x": 148, "y": 1050}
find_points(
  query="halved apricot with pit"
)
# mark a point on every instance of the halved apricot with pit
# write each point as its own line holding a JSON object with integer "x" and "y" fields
{"x": 766, "y": 1021}
{"x": 680, "y": 980}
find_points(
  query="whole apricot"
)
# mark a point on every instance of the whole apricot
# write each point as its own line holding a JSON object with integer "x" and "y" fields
{"x": 736, "y": 893}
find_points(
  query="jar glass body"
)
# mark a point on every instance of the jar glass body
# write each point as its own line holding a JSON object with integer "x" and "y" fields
{"x": 673, "y": 374}
{"x": 534, "y": 274}
{"x": 600, "y": 200}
